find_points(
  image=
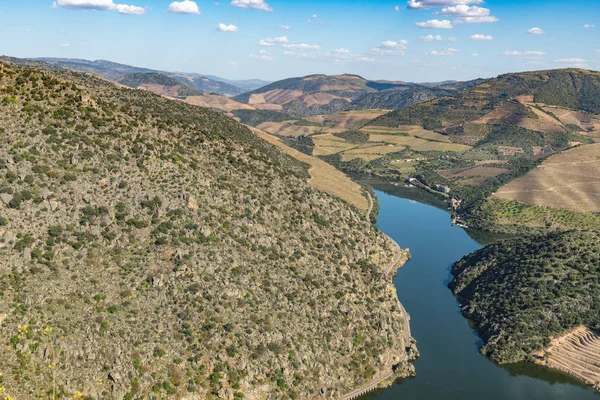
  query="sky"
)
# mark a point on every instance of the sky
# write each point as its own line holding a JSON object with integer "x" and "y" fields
{"x": 408, "y": 40}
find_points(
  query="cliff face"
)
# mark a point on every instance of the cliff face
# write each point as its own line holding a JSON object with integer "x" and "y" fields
{"x": 153, "y": 249}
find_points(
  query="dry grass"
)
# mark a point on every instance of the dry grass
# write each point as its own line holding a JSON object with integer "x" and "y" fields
{"x": 488, "y": 162}
{"x": 328, "y": 144}
{"x": 324, "y": 176}
{"x": 217, "y": 101}
{"x": 577, "y": 353}
{"x": 370, "y": 152}
{"x": 569, "y": 180}
{"x": 418, "y": 144}
{"x": 410, "y": 130}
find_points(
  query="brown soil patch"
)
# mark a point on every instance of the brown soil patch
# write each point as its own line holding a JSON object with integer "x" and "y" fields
{"x": 510, "y": 151}
{"x": 488, "y": 162}
{"x": 568, "y": 180}
{"x": 319, "y": 99}
{"x": 324, "y": 176}
{"x": 275, "y": 107}
{"x": 288, "y": 128}
{"x": 577, "y": 353}
{"x": 277, "y": 96}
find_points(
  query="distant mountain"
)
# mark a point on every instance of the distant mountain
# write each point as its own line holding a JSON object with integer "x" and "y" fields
{"x": 103, "y": 68}
{"x": 207, "y": 85}
{"x": 159, "y": 84}
{"x": 316, "y": 94}
{"x": 114, "y": 71}
{"x": 246, "y": 84}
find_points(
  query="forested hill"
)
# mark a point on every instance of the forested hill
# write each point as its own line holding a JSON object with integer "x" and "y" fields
{"x": 521, "y": 292}
{"x": 154, "y": 249}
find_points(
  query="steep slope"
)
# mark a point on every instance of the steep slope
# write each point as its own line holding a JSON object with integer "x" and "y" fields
{"x": 156, "y": 249}
{"x": 396, "y": 99}
{"x": 522, "y": 292}
{"x": 159, "y": 84}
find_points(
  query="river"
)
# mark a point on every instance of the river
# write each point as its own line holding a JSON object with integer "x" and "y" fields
{"x": 450, "y": 366}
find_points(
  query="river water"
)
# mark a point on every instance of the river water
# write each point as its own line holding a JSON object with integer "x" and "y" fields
{"x": 450, "y": 366}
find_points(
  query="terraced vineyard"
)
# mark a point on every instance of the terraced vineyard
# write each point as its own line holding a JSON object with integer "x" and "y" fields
{"x": 576, "y": 353}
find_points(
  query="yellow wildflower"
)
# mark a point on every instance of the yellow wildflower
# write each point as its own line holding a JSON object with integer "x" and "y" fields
{"x": 48, "y": 330}
{"x": 78, "y": 395}
{"x": 2, "y": 389}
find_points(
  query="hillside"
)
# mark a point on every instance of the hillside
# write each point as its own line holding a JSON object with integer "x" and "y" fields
{"x": 152, "y": 248}
{"x": 520, "y": 293}
{"x": 207, "y": 85}
{"x": 159, "y": 84}
{"x": 317, "y": 94}
{"x": 512, "y": 123}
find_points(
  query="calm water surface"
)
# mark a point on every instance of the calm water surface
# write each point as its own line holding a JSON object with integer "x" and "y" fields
{"x": 450, "y": 366}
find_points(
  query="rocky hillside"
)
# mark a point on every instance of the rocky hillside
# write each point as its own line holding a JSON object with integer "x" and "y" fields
{"x": 522, "y": 292}
{"x": 154, "y": 249}
{"x": 207, "y": 85}
{"x": 159, "y": 84}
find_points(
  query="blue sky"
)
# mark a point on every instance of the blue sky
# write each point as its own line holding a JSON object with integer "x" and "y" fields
{"x": 410, "y": 40}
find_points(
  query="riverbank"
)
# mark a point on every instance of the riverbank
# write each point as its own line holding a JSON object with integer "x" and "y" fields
{"x": 450, "y": 366}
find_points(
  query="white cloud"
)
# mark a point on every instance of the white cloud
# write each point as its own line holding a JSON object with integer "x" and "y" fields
{"x": 65, "y": 45}
{"x": 101, "y": 5}
{"x": 302, "y": 46}
{"x": 262, "y": 55}
{"x": 304, "y": 55}
{"x": 431, "y": 38}
{"x": 468, "y": 14}
{"x": 183, "y": 7}
{"x": 130, "y": 10}
{"x": 390, "y": 48}
{"x": 284, "y": 27}
{"x": 435, "y": 24}
{"x": 397, "y": 8}
{"x": 452, "y": 39}
{"x": 597, "y": 51}
{"x": 573, "y": 62}
{"x": 523, "y": 53}
{"x": 589, "y": 26}
{"x": 448, "y": 52}
{"x": 475, "y": 54}
{"x": 273, "y": 41}
{"x": 535, "y": 31}
{"x": 427, "y": 4}
{"x": 227, "y": 28}
{"x": 256, "y": 4}
{"x": 345, "y": 55}
{"x": 482, "y": 37}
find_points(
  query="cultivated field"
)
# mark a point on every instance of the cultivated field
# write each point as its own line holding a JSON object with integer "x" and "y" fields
{"x": 328, "y": 144}
{"x": 288, "y": 128}
{"x": 371, "y": 152}
{"x": 414, "y": 131}
{"x": 569, "y": 180}
{"x": 418, "y": 144}
{"x": 347, "y": 119}
{"x": 576, "y": 353}
{"x": 324, "y": 176}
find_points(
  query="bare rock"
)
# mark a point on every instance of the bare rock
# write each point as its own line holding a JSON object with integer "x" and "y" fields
{"x": 6, "y": 198}
{"x": 192, "y": 202}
